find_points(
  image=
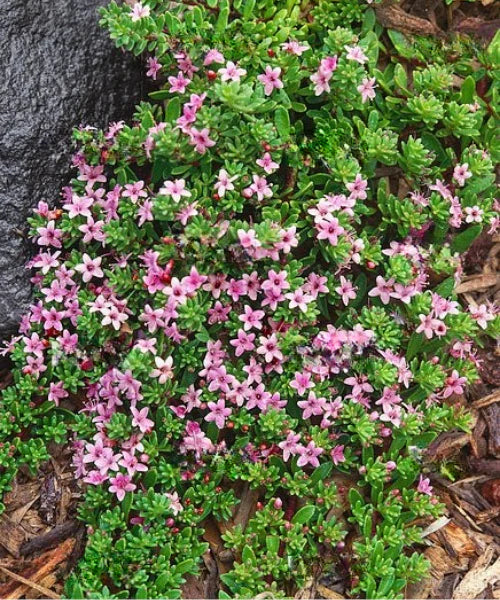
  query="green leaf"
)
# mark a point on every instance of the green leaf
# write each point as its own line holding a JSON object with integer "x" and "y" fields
{"x": 248, "y": 556}
{"x": 304, "y": 515}
{"x": 446, "y": 287}
{"x": 173, "y": 111}
{"x": 414, "y": 345}
{"x": 321, "y": 473}
{"x": 282, "y": 122}
{"x": 273, "y": 544}
{"x": 468, "y": 90}
{"x": 159, "y": 94}
{"x": 464, "y": 240}
{"x": 142, "y": 592}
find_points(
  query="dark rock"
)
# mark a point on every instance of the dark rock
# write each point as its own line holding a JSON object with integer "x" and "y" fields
{"x": 59, "y": 70}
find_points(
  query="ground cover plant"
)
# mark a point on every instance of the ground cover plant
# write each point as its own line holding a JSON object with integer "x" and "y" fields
{"x": 245, "y": 319}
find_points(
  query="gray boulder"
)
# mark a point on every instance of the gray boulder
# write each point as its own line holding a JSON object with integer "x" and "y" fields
{"x": 59, "y": 70}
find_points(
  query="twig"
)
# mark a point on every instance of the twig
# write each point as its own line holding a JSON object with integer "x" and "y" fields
{"x": 40, "y": 588}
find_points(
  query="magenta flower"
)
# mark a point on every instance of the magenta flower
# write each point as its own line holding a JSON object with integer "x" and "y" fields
{"x": 154, "y": 67}
{"x": 271, "y": 80}
{"x": 346, "y": 290}
{"x": 50, "y": 235}
{"x": 140, "y": 419}
{"x": 461, "y": 173}
{"x": 313, "y": 406}
{"x": 290, "y": 446}
{"x": 267, "y": 163}
{"x": 243, "y": 343}
{"x": 293, "y": 47}
{"x": 218, "y": 413}
{"x": 367, "y": 89}
{"x": 90, "y": 267}
{"x": 163, "y": 369}
{"x": 231, "y": 72}
{"x": 424, "y": 486}
{"x": 120, "y": 485}
{"x": 134, "y": 191}
{"x": 454, "y": 384}
{"x": 175, "y": 189}
{"x": 302, "y": 382}
{"x": 309, "y": 455}
{"x": 57, "y": 392}
{"x": 200, "y": 140}
{"x": 178, "y": 84}
{"x": 383, "y": 289}
{"x": 356, "y": 53}
{"x": 337, "y": 455}
{"x": 224, "y": 183}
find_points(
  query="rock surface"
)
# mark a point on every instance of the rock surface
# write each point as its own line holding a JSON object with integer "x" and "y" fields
{"x": 59, "y": 70}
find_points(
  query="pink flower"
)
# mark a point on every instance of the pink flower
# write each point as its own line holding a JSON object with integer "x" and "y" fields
{"x": 218, "y": 413}
{"x": 213, "y": 56}
{"x": 92, "y": 230}
{"x": 357, "y": 54}
{"x": 309, "y": 455}
{"x": 271, "y": 79}
{"x": 248, "y": 238}
{"x": 454, "y": 384}
{"x": 244, "y": 342}
{"x": 260, "y": 187}
{"x": 329, "y": 229}
{"x": 251, "y": 318}
{"x": 290, "y": 446}
{"x": 474, "y": 214}
{"x": 139, "y": 11}
{"x": 134, "y": 191}
{"x": 231, "y": 72}
{"x": 267, "y": 163}
{"x": 367, "y": 89}
{"x": 78, "y": 206}
{"x": 196, "y": 440}
{"x": 130, "y": 462}
{"x": 120, "y": 485}
{"x": 346, "y": 290}
{"x": 461, "y": 173}
{"x": 383, "y": 289}
{"x": 269, "y": 348}
{"x": 57, "y": 392}
{"x": 200, "y": 139}
{"x": 154, "y": 67}
{"x": 298, "y": 299}
{"x": 337, "y": 455}
{"x": 481, "y": 314}
{"x": 175, "y": 189}
{"x": 424, "y": 486}
{"x": 224, "y": 183}
{"x": 301, "y": 382}
{"x": 140, "y": 419}
{"x": 113, "y": 316}
{"x": 90, "y": 267}
{"x": 50, "y": 235}
{"x": 321, "y": 81}
{"x": 163, "y": 369}
{"x": 179, "y": 83}
{"x": 313, "y": 406}
{"x": 293, "y": 47}
{"x": 175, "y": 503}
{"x": 358, "y": 188}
